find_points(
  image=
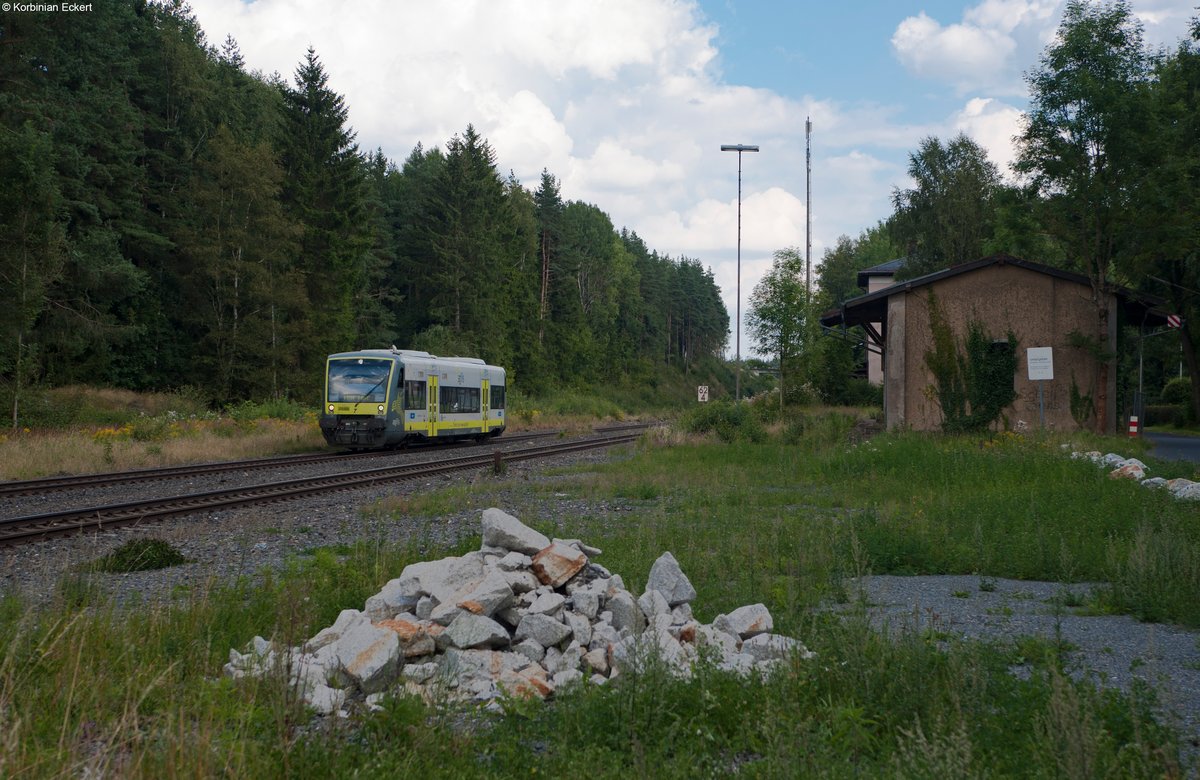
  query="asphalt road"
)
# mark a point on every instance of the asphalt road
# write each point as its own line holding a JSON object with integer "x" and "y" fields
{"x": 1171, "y": 446}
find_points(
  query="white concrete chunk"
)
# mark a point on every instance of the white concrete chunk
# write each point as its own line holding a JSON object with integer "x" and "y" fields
{"x": 626, "y": 614}
{"x": 740, "y": 663}
{"x": 1189, "y": 493}
{"x": 514, "y": 561}
{"x": 578, "y": 544}
{"x": 327, "y": 636}
{"x": 474, "y": 631}
{"x": 558, "y": 563}
{"x": 491, "y": 594}
{"x": 682, "y": 614}
{"x": 566, "y": 678}
{"x": 667, "y": 578}
{"x": 586, "y": 603}
{"x": 580, "y": 627}
{"x": 415, "y": 637}
{"x": 543, "y": 629}
{"x": 597, "y": 660}
{"x": 653, "y": 603}
{"x": 420, "y": 672}
{"x": 325, "y": 700}
{"x": 530, "y": 649}
{"x": 501, "y": 529}
{"x": 714, "y": 639}
{"x": 604, "y": 636}
{"x": 509, "y": 616}
{"x": 521, "y": 581}
{"x": 369, "y": 656}
{"x": 774, "y": 647}
{"x": 1128, "y": 471}
{"x": 748, "y": 621}
{"x": 547, "y": 604}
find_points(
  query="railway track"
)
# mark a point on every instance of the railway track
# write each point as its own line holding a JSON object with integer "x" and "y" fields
{"x": 45, "y": 485}
{"x": 20, "y": 530}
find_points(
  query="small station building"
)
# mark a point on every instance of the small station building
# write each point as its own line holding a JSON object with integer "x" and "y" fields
{"x": 1043, "y": 307}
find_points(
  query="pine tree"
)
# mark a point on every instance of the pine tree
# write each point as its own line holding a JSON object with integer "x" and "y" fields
{"x": 324, "y": 192}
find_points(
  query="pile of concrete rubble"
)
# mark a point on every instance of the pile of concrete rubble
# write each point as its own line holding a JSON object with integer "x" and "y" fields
{"x": 523, "y": 616}
{"x": 1132, "y": 468}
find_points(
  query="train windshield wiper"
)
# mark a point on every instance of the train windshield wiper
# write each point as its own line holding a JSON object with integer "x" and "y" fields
{"x": 367, "y": 395}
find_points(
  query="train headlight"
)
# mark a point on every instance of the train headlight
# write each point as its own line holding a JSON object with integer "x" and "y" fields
{"x": 379, "y": 408}
{"x": 331, "y": 408}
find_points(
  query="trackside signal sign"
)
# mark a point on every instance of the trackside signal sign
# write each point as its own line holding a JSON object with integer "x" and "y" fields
{"x": 1174, "y": 321}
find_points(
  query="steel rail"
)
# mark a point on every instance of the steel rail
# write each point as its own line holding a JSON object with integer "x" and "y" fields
{"x": 20, "y": 530}
{"x": 78, "y": 481}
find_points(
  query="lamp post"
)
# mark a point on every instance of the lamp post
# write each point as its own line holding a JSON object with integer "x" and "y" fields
{"x": 737, "y": 325}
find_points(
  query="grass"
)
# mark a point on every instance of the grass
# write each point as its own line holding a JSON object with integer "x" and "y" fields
{"x": 152, "y": 441}
{"x": 141, "y": 555}
{"x": 89, "y": 688}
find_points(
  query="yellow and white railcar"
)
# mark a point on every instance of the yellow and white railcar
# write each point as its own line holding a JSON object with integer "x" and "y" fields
{"x": 386, "y": 397}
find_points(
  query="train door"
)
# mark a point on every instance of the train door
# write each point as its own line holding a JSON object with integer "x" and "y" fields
{"x": 485, "y": 403}
{"x": 431, "y": 399}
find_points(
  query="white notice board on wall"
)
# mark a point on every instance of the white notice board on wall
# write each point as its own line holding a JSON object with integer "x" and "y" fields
{"x": 1040, "y": 363}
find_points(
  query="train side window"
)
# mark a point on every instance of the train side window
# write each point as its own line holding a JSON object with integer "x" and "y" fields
{"x": 414, "y": 395}
{"x": 497, "y": 396}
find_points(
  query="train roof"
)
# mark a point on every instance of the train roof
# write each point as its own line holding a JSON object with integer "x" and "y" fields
{"x": 416, "y": 355}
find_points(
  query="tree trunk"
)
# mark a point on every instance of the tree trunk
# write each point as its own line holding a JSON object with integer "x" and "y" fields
{"x": 545, "y": 288}
{"x": 1102, "y": 360}
{"x": 17, "y": 377}
{"x": 1189, "y": 355}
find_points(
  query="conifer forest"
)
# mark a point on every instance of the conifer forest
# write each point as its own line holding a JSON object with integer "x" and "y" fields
{"x": 169, "y": 219}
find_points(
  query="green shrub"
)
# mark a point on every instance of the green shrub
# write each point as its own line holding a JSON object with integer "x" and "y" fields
{"x": 731, "y": 422}
{"x": 860, "y": 392}
{"x": 1177, "y": 391}
{"x": 1164, "y": 414}
{"x": 582, "y": 403}
{"x": 276, "y": 409}
{"x": 817, "y": 429}
{"x": 141, "y": 555}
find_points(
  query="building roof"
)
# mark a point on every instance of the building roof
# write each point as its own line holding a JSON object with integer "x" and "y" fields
{"x": 872, "y": 307}
{"x": 883, "y": 269}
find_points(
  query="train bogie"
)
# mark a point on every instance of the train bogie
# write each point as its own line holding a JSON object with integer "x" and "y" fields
{"x": 386, "y": 398}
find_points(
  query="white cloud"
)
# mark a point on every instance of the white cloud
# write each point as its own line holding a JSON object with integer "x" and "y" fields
{"x": 993, "y": 125}
{"x": 965, "y": 55}
{"x": 1007, "y": 16}
{"x": 622, "y": 100}
{"x": 771, "y": 219}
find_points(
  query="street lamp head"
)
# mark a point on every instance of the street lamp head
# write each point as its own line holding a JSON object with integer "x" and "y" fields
{"x": 738, "y": 148}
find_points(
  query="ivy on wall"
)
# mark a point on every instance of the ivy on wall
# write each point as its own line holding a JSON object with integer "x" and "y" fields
{"x": 973, "y": 385}
{"x": 1083, "y": 408}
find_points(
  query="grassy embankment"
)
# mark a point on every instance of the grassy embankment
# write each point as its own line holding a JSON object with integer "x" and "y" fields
{"x": 785, "y": 521}
{"x": 77, "y": 430}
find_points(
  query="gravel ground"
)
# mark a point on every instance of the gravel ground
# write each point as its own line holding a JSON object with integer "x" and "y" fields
{"x": 221, "y": 546}
{"x": 1111, "y": 650}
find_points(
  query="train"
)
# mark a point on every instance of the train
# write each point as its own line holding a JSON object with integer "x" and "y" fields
{"x": 386, "y": 398}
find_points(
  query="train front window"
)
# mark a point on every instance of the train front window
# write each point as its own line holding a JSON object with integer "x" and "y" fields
{"x": 358, "y": 380}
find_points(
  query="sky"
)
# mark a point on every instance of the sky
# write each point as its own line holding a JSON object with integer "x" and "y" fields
{"x": 628, "y": 102}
